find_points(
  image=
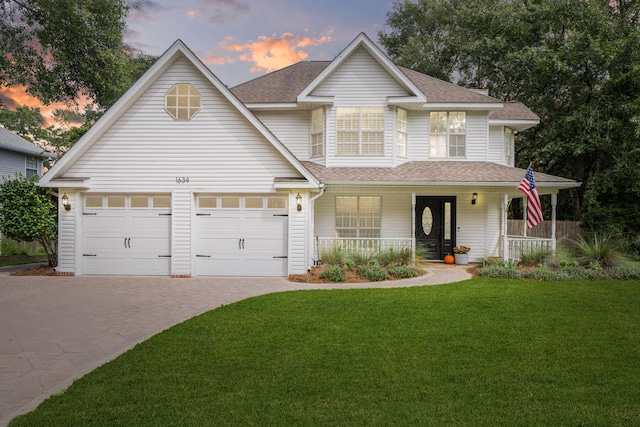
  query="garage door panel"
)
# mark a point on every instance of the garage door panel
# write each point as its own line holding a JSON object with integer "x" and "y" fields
{"x": 223, "y": 266}
{"x": 149, "y": 224}
{"x": 149, "y": 266}
{"x": 104, "y": 225}
{"x": 104, "y": 243}
{"x": 157, "y": 245}
{"x": 104, "y": 264}
{"x": 241, "y": 243}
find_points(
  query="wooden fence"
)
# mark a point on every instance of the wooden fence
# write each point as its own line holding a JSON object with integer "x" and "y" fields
{"x": 569, "y": 230}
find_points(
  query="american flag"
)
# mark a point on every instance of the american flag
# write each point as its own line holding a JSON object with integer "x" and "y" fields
{"x": 534, "y": 209}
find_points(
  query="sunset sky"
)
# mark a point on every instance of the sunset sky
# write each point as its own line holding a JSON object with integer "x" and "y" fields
{"x": 244, "y": 39}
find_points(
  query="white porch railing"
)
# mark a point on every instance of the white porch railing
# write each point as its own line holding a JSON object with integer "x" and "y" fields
{"x": 519, "y": 245}
{"x": 366, "y": 245}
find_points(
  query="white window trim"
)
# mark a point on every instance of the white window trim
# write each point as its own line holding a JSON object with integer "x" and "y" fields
{"x": 358, "y": 227}
{"x": 448, "y": 136}
{"x": 191, "y": 110}
{"x": 316, "y": 131}
{"x": 402, "y": 125}
{"x": 360, "y": 132}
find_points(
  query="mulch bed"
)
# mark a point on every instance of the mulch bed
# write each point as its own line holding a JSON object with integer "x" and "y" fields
{"x": 37, "y": 271}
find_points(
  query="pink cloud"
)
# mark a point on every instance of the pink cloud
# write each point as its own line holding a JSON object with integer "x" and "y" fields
{"x": 272, "y": 53}
{"x": 193, "y": 13}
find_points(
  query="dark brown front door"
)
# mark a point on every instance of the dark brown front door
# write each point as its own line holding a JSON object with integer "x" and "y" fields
{"x": 436, "y": 225}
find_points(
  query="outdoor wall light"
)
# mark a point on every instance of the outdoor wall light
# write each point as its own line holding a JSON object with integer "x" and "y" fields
{"x": 474, "y": 198}
{"x": 299, "y": 202}
{"x": 65, "y": 202}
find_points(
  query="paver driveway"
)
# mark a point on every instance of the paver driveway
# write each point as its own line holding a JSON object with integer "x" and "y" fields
{"x": 55, "y": 329}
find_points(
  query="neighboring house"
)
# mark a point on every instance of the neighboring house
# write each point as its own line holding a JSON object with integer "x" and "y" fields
{"x": 186, "y": 177}
{"x": 17, "y": 155}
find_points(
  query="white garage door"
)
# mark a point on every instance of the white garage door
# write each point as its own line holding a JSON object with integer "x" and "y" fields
{"x": 127, "y": 235}
{"x": 241, "y": 236}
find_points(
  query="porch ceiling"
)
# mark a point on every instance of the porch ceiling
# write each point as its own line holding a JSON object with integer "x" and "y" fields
{"x": 453, "y": 173}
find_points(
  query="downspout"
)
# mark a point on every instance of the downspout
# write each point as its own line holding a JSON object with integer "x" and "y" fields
{"x": 312, "y": 221}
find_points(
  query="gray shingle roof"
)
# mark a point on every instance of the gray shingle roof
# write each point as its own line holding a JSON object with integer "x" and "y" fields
{"x": 11, "y": 141}
{"x": 436, "y": 172}
{"x": 284, "y": 86}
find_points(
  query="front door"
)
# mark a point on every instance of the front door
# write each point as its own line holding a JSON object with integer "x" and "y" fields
{"x": 436, "y": 225}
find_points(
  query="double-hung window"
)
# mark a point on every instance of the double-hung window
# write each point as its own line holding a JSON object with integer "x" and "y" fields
{"x": 360, "y": 131}
{"x": 508, "y": 146}
{"x": 448, "y": 134}
{"x": 358, "y": 216}
{"x": 317, "y": 132}
{"x": 31, "y": 166}
{"x": 401, "y": 133}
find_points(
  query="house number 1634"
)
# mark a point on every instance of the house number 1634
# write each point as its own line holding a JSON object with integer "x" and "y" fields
{"x": 182, "y": 179}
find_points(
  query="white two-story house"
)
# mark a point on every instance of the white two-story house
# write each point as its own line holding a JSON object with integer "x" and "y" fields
{"x": 186, "y": 177}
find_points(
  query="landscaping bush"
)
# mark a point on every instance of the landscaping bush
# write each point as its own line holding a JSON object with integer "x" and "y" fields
{"x": 360, "y": 258}
{"x": 334, "y": 273}
{"x": 534, "y": 256}
{"x": 394, "y": 256}
{"x": 504, "y": 269}
{"x": 401, "y": 271}
{"x": 372, "y": 271}
{"x": 607, "y": 250}
{"x": 569, "y": 271}
{"x": 351, "y": 266}
{"x": 332, "y": 256}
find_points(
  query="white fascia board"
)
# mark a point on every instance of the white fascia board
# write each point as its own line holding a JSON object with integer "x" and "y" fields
{"x": 294, "y": 185}
{"x": 517, "y": 125}
{"x": 492, "y": 185}
{"x": 363, "y": 40}
{"x": 76, "y": 183}
{"x": 273, "y": 106}
{"x": 479, "y": 106}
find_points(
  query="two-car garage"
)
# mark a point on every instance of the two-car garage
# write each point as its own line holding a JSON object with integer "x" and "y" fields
{"x": 232, "y": 235}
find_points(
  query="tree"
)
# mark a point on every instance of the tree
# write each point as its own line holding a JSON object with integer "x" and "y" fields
{"x": 28, "y": 213}
{"x": 59, "y": 48}
{"x": 573, "y": 62}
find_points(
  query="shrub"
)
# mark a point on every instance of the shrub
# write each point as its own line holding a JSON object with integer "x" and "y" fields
{"x": 395, "y": 256}
{"x": 624, "y": 272}
{"x": 607, "y": 250}
{"x": 351, "y": 266}
{"x": 361, "y": 257}
{"x": 401, "y": 271}
{"x": 334, "y": 273}
{"x": 372, "y": 272}
{"x": 505, "y": 269}
{"x": 534, "y": 256}
{"x": 332, "y": 256}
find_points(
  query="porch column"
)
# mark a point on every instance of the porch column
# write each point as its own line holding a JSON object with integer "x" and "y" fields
{"x": 554, "y": 202}
{"x": 413, "y": 226}
{"x": 505, "y": 229}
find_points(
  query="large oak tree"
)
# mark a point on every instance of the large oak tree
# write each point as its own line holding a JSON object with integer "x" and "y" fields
{"x": 574, "y": 62}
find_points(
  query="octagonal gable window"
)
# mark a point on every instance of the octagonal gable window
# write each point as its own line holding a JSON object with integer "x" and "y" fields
{"x": 182, "y": 101}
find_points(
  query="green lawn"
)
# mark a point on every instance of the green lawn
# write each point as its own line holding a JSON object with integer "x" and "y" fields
{"x": 485, "y": 352}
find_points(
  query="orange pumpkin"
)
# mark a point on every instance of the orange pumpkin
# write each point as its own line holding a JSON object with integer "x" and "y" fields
{"x": 449, "y": 259}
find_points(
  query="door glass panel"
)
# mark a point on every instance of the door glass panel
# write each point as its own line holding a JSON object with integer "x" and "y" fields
{"x": 276, "y": 203}
{"x": 93, "y": 201}
{"x": 447, "y": 221}
{"x": 427, "y": 220}
{"x": 207, "y": 202}
{"x": 161, "y": 202}
{"x": 230, "y": 202}
{"x": 253, "y": 202}
{"x": 115, "y": 202}
{"x": 139, "y": 202}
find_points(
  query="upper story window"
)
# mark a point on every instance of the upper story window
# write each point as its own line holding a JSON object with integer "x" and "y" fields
{"x": 317, "y": 132}
{"x": 509, "y": 146}
{"x": 448, "y": 133}
{"x": 182, "y": 101}
{"x": 401, "y": 130}
{"x": 31, "y": 166}
{"x": 360, "y": 131}
{"x": 358, "y": 216}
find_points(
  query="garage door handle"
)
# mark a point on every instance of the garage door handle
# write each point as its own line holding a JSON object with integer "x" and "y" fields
{"x": 240, "y": 243}
{"x": 164, "y": 256}
{"x": 203, "y": 256}
{"x": 280, "y": 257}
{"x": 89, "y": 255}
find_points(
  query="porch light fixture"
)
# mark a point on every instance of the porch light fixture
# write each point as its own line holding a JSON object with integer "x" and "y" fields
{"x": 299, "y": 202}
{"x": 65, "y": 202}
{"x": 474, "y": 198}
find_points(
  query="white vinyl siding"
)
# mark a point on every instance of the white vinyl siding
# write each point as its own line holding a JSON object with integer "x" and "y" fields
{"x": 147, "y": 150}
{"x": 358, "y": 216}
{"x": 67, "y": 222}
{"x": 291, "y": 128}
